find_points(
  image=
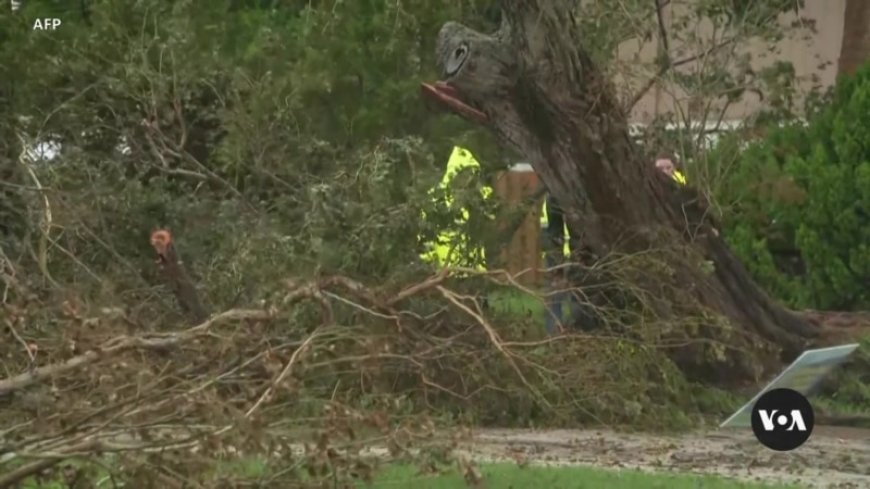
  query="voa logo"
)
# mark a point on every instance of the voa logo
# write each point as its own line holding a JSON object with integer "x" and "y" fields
{"x": 782, "y": 419}
{"x": 791, "y": 421}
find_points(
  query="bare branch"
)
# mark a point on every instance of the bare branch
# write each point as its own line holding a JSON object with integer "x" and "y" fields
{"x": 123, "y": 343}
{"x": 663, "y": 70}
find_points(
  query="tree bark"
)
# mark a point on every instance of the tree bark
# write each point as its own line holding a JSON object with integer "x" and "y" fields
{"x": 533, "y": 85}
{"x": 856, "y": 37}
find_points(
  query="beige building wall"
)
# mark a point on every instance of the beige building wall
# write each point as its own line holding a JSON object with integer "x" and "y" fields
{"x": 813, "y": 54}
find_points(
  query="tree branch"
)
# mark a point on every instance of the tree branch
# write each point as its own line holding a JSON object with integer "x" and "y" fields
{"x": 663, "y": 70}
{"x": 123, "y": 343}
{"x": 28, "y": 470}
{"x": 663, "y": 31}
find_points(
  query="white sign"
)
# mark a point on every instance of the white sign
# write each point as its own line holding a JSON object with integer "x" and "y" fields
{"x": 803, "y": 375}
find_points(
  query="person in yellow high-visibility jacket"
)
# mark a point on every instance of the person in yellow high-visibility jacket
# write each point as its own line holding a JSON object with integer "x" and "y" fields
{"x": 557, "y": 218}
{"x": 555, "y": 238}
{"x": 451, "y": 248}
{"x": 666, "y": 166}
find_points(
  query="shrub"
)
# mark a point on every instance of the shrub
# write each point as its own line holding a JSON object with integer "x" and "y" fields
{"x": 796, "y": 204}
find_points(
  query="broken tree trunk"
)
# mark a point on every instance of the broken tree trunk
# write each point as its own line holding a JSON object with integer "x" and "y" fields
{"x": 182, "y": 285}
{"x": 533, "y": 85}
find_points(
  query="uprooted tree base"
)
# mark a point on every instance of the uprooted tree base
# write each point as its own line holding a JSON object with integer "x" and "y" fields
{"x": 540, "y": 93}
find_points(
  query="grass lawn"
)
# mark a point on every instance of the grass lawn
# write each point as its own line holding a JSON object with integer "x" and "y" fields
{"x": 511, "y": 476}
{"x": 511, "y": 301}
{"x": 500, "y": 476}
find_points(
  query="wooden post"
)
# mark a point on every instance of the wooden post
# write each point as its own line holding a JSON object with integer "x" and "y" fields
{"x": 522, "y": 256}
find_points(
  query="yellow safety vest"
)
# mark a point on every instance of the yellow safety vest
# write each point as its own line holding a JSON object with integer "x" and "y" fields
{"x": 447, "y": 250}
{"x": 566, "y": 248}
{"x": 450, "y": 246}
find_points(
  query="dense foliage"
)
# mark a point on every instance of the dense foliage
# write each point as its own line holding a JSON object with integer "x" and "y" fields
{"x": 285, "y": 142}
{"x": 232, "y": 116}
{"x": 797, "y": 203}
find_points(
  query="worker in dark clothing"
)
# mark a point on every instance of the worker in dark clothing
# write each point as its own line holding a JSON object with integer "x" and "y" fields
{"x": 557, "y": 251}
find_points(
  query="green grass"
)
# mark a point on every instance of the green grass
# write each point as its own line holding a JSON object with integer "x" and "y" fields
{"x": 512, "y": 301}
{"x": 507, "y": 476}
{"x": 511, "y": 476}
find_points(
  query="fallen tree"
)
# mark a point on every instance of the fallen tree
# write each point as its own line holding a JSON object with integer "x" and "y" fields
{"x": 262, "y": 382}
{"x": 538, "y": 90}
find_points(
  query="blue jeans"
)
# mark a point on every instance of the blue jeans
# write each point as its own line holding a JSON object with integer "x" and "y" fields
{"x": 556, "y": 303}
